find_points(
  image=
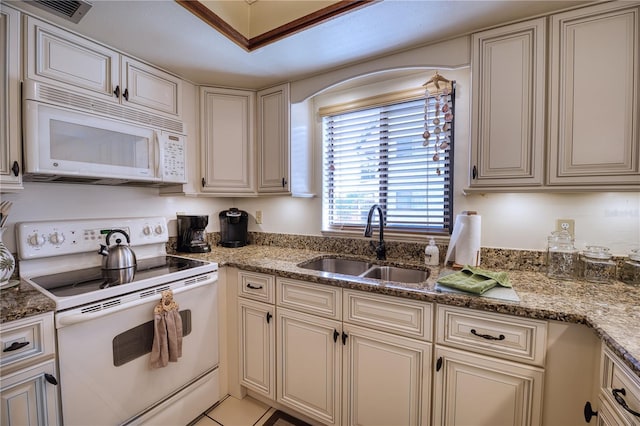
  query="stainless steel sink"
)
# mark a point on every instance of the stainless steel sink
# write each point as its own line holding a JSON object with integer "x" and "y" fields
{"x": 398, "y": 274}
{"x": 362, "y": 268}
{"x": 338, "y": 266}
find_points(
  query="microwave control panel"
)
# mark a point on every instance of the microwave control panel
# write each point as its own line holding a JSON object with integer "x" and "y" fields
{"x": 173, "y": 158}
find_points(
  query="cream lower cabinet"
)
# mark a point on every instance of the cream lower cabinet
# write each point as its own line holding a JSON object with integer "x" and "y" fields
{"x": 488, "y": 369}
{"x": 386, "y": 379}
{"x": 471, "y": 389}
{"x": 309, "y": 364}
{"x": 619, "y": 392}
{"x": 256, "y": 335}
{"x": 28, "y": 383}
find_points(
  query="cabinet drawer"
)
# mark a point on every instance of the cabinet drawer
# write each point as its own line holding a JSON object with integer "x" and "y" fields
{"x": 26, "y": 339}
{"x": 620, "y": 387}
{"x": 257, "y": 286}
{"x": 500, "y": 335}
{"x": 311, "y": 298}
{"x": 385, "y": 313}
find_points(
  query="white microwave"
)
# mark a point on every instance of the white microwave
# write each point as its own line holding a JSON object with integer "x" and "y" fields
{"x": 64, "y": 144}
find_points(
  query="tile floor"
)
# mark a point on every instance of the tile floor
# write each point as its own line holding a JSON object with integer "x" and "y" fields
{"x": 237, "y": 412}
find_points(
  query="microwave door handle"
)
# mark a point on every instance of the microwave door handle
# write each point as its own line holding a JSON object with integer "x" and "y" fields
{"x": 158, "y": 155}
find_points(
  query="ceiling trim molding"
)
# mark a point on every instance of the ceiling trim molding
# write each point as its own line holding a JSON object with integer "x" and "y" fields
{"x": 315, "y": 18}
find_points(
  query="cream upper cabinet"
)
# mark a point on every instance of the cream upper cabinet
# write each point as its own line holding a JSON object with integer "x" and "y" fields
{"x": 227, "y": 141}
{"x": 62, "y": 58}
{"x": 10, "y": 132}
{"x": 273, "y": 140}
{"x": 508, "y": 105}
{"x": 594, "y": 130}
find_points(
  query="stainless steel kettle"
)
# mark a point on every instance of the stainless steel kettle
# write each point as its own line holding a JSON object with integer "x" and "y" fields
{"x": 118, "y": 256}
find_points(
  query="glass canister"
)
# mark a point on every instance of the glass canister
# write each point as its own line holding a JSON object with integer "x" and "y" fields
{"x": 630, "y": 271}
{"x": 596, "y": 265}
{"x": 562, "y": 256}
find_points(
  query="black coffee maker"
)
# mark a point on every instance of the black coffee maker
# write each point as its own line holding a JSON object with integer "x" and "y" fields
{"x": 233, "y": 227}
{"x": 192, "y": 236}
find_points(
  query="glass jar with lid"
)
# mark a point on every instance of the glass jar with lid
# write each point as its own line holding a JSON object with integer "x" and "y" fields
{"x": 596, "y": 265}
{"x": 630, "y": 271}
{"x": 562, "y": 256}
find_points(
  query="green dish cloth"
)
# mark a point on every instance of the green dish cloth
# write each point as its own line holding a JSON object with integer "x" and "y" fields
{"x": 475, "y": 280}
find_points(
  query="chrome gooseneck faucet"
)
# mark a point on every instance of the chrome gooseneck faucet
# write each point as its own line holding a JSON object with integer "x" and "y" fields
{"x": 381, "y": 251}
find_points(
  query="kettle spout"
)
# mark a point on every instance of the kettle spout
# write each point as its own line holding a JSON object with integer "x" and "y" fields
{"x": 104, "y": 250}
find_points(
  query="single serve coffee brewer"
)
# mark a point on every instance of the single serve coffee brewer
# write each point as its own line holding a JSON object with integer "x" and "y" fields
{"x": 233, "y": 227}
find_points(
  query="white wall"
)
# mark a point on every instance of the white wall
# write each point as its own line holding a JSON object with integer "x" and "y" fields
{"x": 516, "y": 221}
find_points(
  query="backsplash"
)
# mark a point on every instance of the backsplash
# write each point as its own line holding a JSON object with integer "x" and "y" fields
{"x": 491, "y": 258}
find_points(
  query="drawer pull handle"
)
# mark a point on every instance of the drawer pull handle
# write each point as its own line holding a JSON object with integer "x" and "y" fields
{"x": 49, "y": 378}
{"x": 15, "y": 346}
{"x": 620, "y": 400}
{"x": 487, "y": 336}
{"x": 254, "y": 287}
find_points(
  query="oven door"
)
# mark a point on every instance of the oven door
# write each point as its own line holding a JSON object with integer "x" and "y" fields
{"x": 105, "y": 376}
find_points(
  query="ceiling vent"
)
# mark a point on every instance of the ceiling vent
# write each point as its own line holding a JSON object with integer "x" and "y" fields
{"x": 71, "y": 10}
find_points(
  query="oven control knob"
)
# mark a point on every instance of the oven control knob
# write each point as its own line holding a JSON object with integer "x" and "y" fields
{"x": 146, "y": 230}
{"x": 36, "y": 240}
{"x": 56, "y": 238}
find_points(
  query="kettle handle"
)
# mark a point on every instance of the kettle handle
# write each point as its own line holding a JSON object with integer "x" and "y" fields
{"x": 116, "y": 231}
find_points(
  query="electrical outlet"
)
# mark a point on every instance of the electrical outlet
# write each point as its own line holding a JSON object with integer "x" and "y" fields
{"x": 258, "y": 216}
{"x": 566, "y": 225}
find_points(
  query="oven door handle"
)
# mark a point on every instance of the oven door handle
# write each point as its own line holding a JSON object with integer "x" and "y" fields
{"x": 76, "y": 316}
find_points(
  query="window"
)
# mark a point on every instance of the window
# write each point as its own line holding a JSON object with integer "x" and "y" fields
{"x": 377, "y": 155}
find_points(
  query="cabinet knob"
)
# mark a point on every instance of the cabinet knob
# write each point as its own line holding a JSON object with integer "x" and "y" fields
{"x": 439, "y": 364}
{"x": 50, "y": 378}
{"x": 335, "y": 335}
{"x": 474, "y": 172}
{"x": 269, "y": 316}
{"x": 15, "y": 168}
{"x": 284, "y": 182}
{"x": 117, "y": 92}
{"x": 125, "y": 94}
{"x": 344, "y": 338}
{"x": 588, "y": 412}
{"x": 204, "y": 182}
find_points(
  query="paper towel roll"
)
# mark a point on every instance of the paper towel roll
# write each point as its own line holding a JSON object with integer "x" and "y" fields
{"x": 464, "y": 244}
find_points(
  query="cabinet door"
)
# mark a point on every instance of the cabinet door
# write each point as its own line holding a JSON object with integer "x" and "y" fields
{"x": 150, "y": 88}
{"x": 594, "y": 138}
{"x": 309, "y": 365}
{"x": 10, "y": 142}
{"x": 386, "y": 379}
{"x": 508, "y": 71}
{"x": 62, "y": 58}
{"x": 257, "y": 346}
{"x": 273, "y": 140}
{"x": 227, "y": 120}
{"x": 483, "y": 391}
{"x": 29, "y": 397}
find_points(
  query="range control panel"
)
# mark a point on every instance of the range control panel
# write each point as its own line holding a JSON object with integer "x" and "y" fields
{"x": 47, "y": 239}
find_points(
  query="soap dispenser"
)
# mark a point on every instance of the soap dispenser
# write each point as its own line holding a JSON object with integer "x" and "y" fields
{"x": 431, "y": 254}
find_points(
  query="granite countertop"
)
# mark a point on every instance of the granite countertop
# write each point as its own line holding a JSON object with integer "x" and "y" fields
{"x": 611, "y": 310}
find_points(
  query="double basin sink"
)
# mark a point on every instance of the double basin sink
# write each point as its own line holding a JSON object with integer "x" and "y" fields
{"x": 364, "y": 269}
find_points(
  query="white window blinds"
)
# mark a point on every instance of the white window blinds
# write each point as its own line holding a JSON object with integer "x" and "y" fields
{"x": 378, "y": 155}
